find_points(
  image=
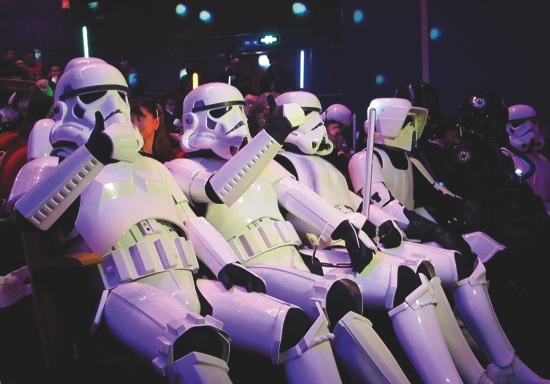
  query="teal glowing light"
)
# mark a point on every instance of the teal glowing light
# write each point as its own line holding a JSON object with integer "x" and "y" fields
{"x": 181, "y": 9}
{"x": 205, "y": 16}
{"x": 299, "y": 9}
{"x": 358, "y": 16}
{"x": 435, "y": 33}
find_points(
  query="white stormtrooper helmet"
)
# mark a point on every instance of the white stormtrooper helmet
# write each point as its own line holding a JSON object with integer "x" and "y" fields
{"x": 310, "y": 137}
{"x": 523, "y": 128}
{"x": 398, "y": 123}
{"x": 339, "y": 113}
{"x": 87, "y": 86}
{"x": 214, "y": 118}
{"x": 78, "y": 61}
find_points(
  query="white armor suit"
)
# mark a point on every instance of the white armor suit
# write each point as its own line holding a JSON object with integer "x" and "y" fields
{"x": 394, "y": 174}
{"x": 523, "y": 129}
{"x": 267, "y": 244}
{"x": 303, "y": 157}
{"x": 100, "y": 195}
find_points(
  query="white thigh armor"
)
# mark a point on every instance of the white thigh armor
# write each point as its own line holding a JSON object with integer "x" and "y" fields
{"x": 159, "y": 318}
{"x": 306, "y": 289}
{"x": 443, "y": 260}
{"x": 378, "y": 280}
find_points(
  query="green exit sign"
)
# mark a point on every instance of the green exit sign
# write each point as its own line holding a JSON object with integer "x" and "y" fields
{"x": 269, "y": 39}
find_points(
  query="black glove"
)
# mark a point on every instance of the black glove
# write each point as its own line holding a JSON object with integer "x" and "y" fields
{"x": 99, "y": 144}
{"x": 236, "y": 274}
{"x": 389, "y": 235}
{"x": 426, "y": 230}
{"x": 359, "y": 254}
{"x": 370, "y": 229}
{"x": 277, "y": 125}
{"x": 470, "y": 216}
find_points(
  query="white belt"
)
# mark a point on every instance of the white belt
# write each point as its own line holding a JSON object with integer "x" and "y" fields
{"x": 151, "y": 253}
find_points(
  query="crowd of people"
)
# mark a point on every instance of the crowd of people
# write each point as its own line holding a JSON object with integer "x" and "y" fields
{"x": 236, "y": 221}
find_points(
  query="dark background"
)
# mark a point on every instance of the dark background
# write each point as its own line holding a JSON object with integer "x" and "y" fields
{"x": 499, "y": 44}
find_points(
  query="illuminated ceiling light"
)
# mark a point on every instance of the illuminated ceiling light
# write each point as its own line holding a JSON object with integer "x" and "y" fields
{"x": 263, "y": 61}
{"x": 181, "y": 10}
{"x": 205, "y": 16}
{"x": 435, "y": 33}
{"x": 269, "y": 39}
{"x": 380, "y": 79}
{"x": 195, "y": 80}
{"x": 85, "y": 42}
{"x": 358, "y": 16}
{"x": 94, "y": 5}
{"x": 302, "y": 66}
{"x": 299, "y": 9}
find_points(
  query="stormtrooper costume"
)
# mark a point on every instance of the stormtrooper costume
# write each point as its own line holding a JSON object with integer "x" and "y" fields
{"x": 303, "y": 157}
{"x": 214, "y": 125}
{"x": 98, "y": 194}
{"x": 523, "y": 130}
{"x": 394, "y": 174}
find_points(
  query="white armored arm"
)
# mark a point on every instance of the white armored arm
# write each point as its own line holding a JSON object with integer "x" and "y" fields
{"x": 234, "y": 177}
{"x": 210, "y": 246}
{"x": 44, "y": 204}
{"x": 301, "y": 201}
{"x": 216, "y": 253}
{"x": 305, "y": 204}
{"x": 376, "y": 215}
{"x": 230, "y": 181}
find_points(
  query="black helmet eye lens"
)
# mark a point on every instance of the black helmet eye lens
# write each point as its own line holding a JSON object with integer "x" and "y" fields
{"x": 88, "y": 98}
{"x": 219, "y": 112}
{"x": 516, "y": 123}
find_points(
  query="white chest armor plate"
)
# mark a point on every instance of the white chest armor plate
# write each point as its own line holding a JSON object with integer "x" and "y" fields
{"x": 128, "y": 214}
{"x": 323, "y": 177}
{"x": 399, "y": 182}
{"x": 253, "y": 224}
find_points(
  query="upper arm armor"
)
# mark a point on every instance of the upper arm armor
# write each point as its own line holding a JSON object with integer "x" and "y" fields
{"x": 46, "y": 200}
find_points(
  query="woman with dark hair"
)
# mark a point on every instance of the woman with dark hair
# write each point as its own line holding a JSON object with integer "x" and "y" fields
{"x": 148, "y": 117}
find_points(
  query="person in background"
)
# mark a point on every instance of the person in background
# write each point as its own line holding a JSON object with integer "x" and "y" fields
{"x": 525, "y": 136}
{"x": 234, "y": 75}
{"x": 148, "y": 117}
{"x": 9, "y": 114}
{"x": 45, "y": 86}
{"x": 32, "y": 66}
{"x": 8, "y": 67}
{"x": 172, "y": 119}
{"x": 277, "y": 78}
{"x": 249, "y": 99}
{"x": 131, "y": 74}
{"x": 54, "y": 73}
{"x": 338, "y": 118}
{"x": 40, "y": 106}
{"x": 258, "y": 112}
